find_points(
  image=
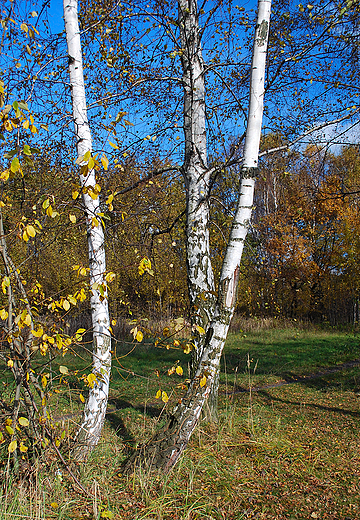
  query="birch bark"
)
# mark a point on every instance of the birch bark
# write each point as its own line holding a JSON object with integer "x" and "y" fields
{"x": 95, "y": 407}
{"x": 195, "y": 170}
{"x": 165, "y": 448}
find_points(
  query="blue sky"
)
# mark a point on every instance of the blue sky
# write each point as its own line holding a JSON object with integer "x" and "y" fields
{"x": 55, "y": 15}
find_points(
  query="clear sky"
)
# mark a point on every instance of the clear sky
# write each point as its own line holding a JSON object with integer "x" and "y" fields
{"x": 55, "y": 15}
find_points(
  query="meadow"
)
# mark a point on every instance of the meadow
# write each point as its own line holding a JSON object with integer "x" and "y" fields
{"x": 286, "y": 445}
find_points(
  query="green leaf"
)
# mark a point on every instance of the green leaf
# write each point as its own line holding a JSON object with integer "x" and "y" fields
{"x": 23, "y": 105}
{"x": 15, "y": 165}
{"x": 9, "y": 155}
{"x": 27, "y": 150}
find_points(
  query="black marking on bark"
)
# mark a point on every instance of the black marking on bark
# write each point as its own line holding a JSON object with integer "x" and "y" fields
{"x": 249, "y": 172}
{"x": 224, "y": 284}
{"x": 209, "y": 335}
{"x": 262, "y": 33}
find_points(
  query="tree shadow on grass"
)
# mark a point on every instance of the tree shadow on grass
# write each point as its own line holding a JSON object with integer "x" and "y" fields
{"x": 117, "y": 423}
{"x": 271, "y": 398}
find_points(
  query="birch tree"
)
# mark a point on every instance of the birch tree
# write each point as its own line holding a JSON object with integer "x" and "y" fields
{"x": 95, "y": 407}
{"x": 213, "y": 316}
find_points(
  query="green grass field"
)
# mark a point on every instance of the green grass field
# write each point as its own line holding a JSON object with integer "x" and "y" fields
{"x": 289, "y": 449}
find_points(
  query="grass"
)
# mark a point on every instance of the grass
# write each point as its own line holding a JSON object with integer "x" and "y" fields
{"x": 295, "y": 457}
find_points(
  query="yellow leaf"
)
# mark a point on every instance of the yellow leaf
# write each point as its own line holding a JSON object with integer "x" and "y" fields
{"x": 25, "y": 236}
{"x": 200, "y": 329}
{"x": 9, "y": 430}
{"x": 5, "y": 175}
{"x": 23, "y": 448}
{"x": 203, "y": 381}
{"x": 82, "y": 398}
{"x": 63, "y": 370}
{"x": 158, "y": 394}
{"x": 26, "y": 124}
{"x": 27, "y": 320}
{"x": 91, "y": 163}
{"x": 23, "y": 421}
{"x": 179, "y": 371}
{"x": 139, "y": 336}
{"x": 5, "y": 284}
{"x": 187, "y": 348}
{"x": 105, "y": 162}
{"x": 12, "y": 446}
{"x": 94, "y": 222}
{"x": 110, "y": 277}
{"x": 91, "y": 378}
{"x": 4, "y": 314}
{"x": 38, "y": 333}
{"x": 43, "y": 381}
{"x": 75, "y": 194}
{"x": 93, "y": 194}
{"x": 66, "y": 305}
{"x": 24, "y": 27}
{"x": 164, "y": 397}
{"x": 87, "y": 156}
{"x": 10, "y": 363}
{"x": 113, "y": 145}
{"x": 113, "y": 322}
{"x": 30, "y": 231}
{"x": 54, "y": 505}
{"x": 72, "y": 218}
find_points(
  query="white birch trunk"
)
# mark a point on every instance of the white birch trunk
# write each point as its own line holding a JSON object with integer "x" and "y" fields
{"x": 197, "y": 178}
{"x": 195, "y": 169}
{"x": 95, "y": 407}
{"x": 166, "y": 447}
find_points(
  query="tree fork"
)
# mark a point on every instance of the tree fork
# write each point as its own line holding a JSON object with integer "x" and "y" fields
{"x": 165, "y": 448}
